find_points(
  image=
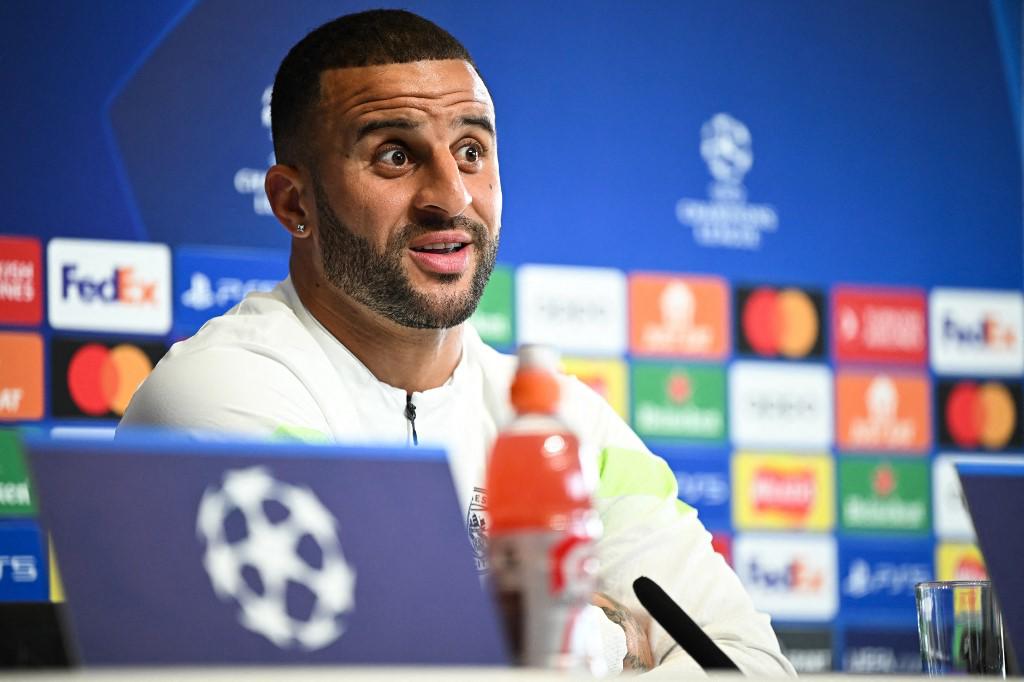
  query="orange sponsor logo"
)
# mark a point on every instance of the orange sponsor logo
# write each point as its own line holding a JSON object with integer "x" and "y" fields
{"x": 678, "y": 316}
{"x": 21, "y": 376}
{"x": 877, "y": 411}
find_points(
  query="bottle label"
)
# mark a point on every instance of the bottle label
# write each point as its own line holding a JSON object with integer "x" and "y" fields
{"x": 544, "y": 580}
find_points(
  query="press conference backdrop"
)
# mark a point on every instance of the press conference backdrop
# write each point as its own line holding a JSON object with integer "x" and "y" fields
{"x": 784, "y": 240}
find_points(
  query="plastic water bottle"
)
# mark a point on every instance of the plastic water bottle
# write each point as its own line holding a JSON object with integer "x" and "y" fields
{"x": 543, "y": 528}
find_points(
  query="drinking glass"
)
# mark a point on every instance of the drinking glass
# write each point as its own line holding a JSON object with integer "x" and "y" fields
{"x": 960, "y": 628}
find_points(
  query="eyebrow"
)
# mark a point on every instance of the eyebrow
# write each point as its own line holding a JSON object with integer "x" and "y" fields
{"x": 477, "y": 121}
{"x": 398, "y": 123}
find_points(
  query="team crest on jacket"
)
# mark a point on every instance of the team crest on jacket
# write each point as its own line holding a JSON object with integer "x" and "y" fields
{"x": 476, "y": 522}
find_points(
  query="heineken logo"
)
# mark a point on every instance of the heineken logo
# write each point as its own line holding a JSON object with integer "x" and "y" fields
{"x": 679, "y": 401}
{"x": 679, "y": 388}
{"x": 884, "y": 481}
{"x": 886, "y": 495}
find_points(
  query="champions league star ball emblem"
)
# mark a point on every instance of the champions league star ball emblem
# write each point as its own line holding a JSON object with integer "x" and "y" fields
{"x": 725, "y": 146}
{"x": 726, "y": 219}
{"x": 272, "y": 549}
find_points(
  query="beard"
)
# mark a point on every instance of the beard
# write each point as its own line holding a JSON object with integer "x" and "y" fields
{"x": 378, "y": 279}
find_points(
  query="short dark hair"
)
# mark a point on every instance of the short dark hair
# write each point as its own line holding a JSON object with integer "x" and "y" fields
{"x": 382, "y": 36}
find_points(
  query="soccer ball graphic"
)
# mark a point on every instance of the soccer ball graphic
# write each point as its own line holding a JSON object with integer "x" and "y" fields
{"x": 272, "y": 548}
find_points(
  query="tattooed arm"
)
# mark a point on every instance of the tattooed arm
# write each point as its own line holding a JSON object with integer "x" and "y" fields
{"x": 638, "y": 650}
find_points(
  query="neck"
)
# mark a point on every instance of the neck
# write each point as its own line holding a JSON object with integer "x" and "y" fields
{"x": 410, "y": 359}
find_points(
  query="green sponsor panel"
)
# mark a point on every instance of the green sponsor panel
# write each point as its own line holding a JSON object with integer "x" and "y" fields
{"x": 493, "y": 316}
{"x": 676, "y": 401}
{"x": 883, "y": 494}
{"x": 16, "y": 495}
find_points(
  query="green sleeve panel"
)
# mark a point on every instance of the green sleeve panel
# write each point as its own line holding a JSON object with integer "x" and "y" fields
{"x": 300, "y": 433}
{"x": 631, "y": 472}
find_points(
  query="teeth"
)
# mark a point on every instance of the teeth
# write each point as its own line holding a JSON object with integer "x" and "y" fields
{"x": 440, "y": 246}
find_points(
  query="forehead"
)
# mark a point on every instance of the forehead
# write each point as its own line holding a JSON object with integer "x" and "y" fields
{"x": 432, "y": 87}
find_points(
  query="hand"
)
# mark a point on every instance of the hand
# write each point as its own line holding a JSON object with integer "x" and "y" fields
{"x": 638, "y": 649}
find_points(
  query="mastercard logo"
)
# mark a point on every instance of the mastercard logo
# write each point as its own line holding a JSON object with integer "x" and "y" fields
{"x": 98, "y": 379}
{"x": 103, "y": 380}
{"x": 980, "y": 414}
{"x": 780, "y": 322}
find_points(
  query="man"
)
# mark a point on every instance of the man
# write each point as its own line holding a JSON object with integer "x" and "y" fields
{"x": 387, "y": 179}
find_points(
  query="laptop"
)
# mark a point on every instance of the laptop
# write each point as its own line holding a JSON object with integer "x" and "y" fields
{"x": 179, "y": 552}
{"x": 994, "y": 493}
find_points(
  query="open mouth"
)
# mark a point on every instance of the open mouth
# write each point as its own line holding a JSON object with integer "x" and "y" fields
{"x": 440, "y": 247}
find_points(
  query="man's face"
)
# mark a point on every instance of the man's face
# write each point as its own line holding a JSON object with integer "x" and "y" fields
{"x": 407, "y": 190}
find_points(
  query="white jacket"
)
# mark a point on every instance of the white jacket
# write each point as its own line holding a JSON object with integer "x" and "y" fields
{"x": 268, "y": 367}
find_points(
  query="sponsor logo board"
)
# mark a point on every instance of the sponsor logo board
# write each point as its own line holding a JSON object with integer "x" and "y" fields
{"x": 16, "y": 495}
{"x": 878, "y": 576}
{"x": 493, "y": 317}
{"x": 726, "y": 219}
{"x": 208, "y": 281}
{"x": 21, "y": 376}
{"x": 879, "y": 411}
{"x": 792, "y": 577}
{"x": 24, "y": 574}
{"x": 959, "y": 561}
{"x": 575, "y": 309}
{"x": 679, "y": 316}
{"x": 952, "y": 520}
{"x": 96, "y": 379}
{"x": 21, "y": 281}
{"x": 684, "y": 402}
{"x": 975, "y": 331}
{"x": 881, "y": 651}
{"x": 877, "y": 494}
{"x": 980, "y": 415}
{"x": 609, "y": 378}
{"x": 96, "y": 285}
{"x": 780, "y": 322}
{"x": 774, "y": 404}
{"x": 703, "y": 483}
{"x": 810, "y": 651}
{"x": 879, "y": 325}
{"x": 783, "y": 492}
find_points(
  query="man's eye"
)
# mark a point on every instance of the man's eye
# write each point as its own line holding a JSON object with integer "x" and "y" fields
{"x": 470, "y": 152}
{"x": 394, "y": 157}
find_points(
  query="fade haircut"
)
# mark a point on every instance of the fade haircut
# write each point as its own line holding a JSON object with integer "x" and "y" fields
{"x": 373, "y": 38}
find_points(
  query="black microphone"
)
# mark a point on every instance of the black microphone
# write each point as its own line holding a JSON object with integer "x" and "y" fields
{"x": 681, "y": 627}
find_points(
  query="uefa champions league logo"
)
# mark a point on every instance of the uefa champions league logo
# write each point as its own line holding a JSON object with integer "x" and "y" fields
{"x": 265, "y": 539}
{"x": 725, "y": 146}
{"x": 726, "y": 219}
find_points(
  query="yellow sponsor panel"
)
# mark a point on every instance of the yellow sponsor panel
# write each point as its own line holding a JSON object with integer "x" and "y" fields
{"x": 607, "y": 377}
{"x": 777, "y": 491}
{"x": 959, "y": 561}
{"x": 56, "y": 587}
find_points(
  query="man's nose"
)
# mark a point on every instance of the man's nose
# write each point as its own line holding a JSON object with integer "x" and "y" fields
{"x": 443, "y": 190}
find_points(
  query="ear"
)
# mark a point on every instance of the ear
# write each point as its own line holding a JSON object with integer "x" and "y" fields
{"x": 285, "y": 186}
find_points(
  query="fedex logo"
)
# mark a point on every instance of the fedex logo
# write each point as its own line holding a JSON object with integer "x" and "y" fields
{"x": 109, "y": 286}
{"x": 974, "y": 331}
{"x": 989, "y": 331}
{"x": 796, "y": 576}
{"x": 791, "y": 576}
{"x": 123, "y": 285}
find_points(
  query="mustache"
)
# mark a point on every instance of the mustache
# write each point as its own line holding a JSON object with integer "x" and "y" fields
{"x": 477, "y": 230}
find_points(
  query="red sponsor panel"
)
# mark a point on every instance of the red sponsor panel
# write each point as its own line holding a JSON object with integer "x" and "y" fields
{"x": 880, "y": 325}
{"x": 722, "y": 543}
{"x": 21, "y": 281}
